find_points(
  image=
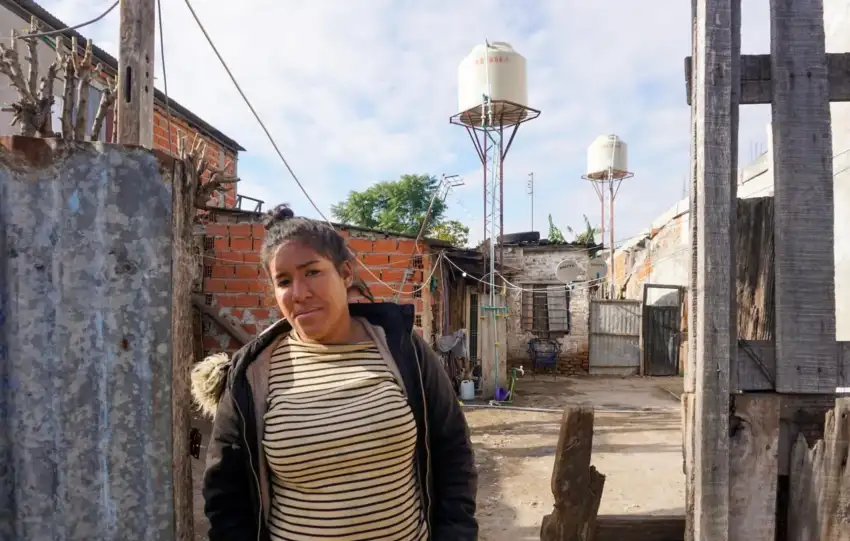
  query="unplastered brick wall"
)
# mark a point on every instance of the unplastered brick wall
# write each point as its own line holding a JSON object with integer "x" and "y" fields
{"x": 216, "y": 154}
{"x": 237, "y": 287}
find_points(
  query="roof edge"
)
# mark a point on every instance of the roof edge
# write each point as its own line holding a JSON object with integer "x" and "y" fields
{"x": 26, "y": 8}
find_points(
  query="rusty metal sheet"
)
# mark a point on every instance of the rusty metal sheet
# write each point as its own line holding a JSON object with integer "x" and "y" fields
{"x": 85, "y": 343}
{"x": 615, "y": 337}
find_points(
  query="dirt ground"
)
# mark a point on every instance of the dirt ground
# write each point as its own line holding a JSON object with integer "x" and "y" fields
{"x": 637, "y": 445}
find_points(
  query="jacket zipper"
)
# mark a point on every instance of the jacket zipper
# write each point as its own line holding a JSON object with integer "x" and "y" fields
{"x": 425, "y": 487}
{"x": 251, "y": 464}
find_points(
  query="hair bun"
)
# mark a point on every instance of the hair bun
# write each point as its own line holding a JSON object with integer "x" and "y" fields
{"x": 279, "y": 214}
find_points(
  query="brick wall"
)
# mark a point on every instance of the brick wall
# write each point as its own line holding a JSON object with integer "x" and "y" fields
{"x": 216, "y": 154}
{"x": 236, "y": 284}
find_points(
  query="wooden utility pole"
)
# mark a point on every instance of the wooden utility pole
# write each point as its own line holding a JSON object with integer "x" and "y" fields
{"x": 136, "y": 54}
{"x": 739, "y": 430}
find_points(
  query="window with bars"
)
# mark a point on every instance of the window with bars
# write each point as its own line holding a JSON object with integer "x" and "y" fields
{"x": 546, "y": 310}
{"x": 209, "y": 243}
{"x": 417, "y": 262}
{"x": 417, "y": 320}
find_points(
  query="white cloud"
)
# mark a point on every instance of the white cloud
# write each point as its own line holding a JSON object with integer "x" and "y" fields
{"x": 360, "y": 91}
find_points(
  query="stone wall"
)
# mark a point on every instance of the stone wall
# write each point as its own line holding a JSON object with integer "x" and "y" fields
{"x": 537, "y": 265}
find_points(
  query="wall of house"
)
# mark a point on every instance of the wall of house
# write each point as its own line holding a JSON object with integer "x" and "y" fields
{"x": 236, "y": 286}
{"x": 216, "y": 153}
{"x": 537, "y": 266}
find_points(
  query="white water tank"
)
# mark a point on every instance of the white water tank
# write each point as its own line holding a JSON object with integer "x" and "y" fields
{"x": 602, "y": 153}
{"x": 508, "y": 84}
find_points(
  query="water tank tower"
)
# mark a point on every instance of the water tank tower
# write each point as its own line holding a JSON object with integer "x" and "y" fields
{"x": 492, "y": 90}
{"x": 607, "y": 167}
{"x": 498, "y": 72}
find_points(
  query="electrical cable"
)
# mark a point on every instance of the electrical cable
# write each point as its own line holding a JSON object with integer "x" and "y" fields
{"x": 254, "y": 112}
{"x": 75, "y": 27}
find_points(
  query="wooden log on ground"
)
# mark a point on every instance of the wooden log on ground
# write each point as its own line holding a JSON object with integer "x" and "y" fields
{"x": 640, "y": 528}
{"x": 819, "y": 506}
{"x": 576, "y": 485}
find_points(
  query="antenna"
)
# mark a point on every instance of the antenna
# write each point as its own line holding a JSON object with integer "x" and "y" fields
{"x": 531, "y": 194}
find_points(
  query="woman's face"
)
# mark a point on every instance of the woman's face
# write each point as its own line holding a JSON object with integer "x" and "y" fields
{"x": 310, "y": 292}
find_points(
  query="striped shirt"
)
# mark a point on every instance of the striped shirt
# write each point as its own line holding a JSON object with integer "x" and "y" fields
{"x": 340, "y": 441}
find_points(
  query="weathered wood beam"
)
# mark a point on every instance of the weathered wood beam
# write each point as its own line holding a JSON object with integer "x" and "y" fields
{"x": 757, "y": 85}
{"x": 803, "y": 197}
{"x": 576, "y": 485}
{"x": 716, "y": 128}
{"x": 753, "y": 466}
{"x": 820, "y": 482}
{"x": 136, "y": 53}
{"x": 640, "y": 528}
{"x": 183, "y": 341}
{"x": 239, "y": 334}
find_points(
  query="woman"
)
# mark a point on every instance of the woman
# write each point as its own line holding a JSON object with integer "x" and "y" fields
{"x": 337, "y": 422}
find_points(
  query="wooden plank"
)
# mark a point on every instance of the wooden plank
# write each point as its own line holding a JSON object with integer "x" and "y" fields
{"x": 757, "y": 86}
{"x": 717, "y": 22}
{"x": 688, "y": 423}
{"x": 753, "y": 467}
{"x": 690, "y": 381}
{"x": 576, "y": 485}
{"x": 800, "y": 414}
{"x": 136, "y": 53}
{"x": 640, "y": 528}
{"x": 804, "y": 206}
{"x": 235, "y": 332}
{"x": 183, "y": 340}
{"x": 820, "y": 482}
{"x": 755, "y": 366}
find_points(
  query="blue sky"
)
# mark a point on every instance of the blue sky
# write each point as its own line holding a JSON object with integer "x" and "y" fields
{"x": 358, "y": 91}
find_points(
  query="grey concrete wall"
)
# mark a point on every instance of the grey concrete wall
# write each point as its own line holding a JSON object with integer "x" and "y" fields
{"x": 85, "y": 344}
{"x": 538, "y": 265}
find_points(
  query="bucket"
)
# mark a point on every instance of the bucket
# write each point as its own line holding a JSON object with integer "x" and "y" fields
{"x": 467, "y": 390}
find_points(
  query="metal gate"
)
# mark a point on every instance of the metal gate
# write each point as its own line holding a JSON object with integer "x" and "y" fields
{"x": 614, "y": 337}
{"x": 662, "y": 329}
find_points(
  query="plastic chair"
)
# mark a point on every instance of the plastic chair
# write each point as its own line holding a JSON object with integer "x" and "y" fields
{"x": 544, "y": 353}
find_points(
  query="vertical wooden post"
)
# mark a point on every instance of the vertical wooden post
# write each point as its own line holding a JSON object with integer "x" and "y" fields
{"x": 136, "y": 53}
{"x": 693, "y": 297}
{"x": 184, "y": 185}
{"x": 806, "y": 355}
{"x": 718, "y": 22}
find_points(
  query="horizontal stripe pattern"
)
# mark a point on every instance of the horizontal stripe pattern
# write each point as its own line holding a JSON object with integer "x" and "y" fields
{"x": 340, "y": 440}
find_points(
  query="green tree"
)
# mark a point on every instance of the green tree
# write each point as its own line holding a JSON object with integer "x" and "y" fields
{"x": 588, "y": 236}
{"x": 452, "y": 231}
{"x": 555, "y": 235}
{"x": 398, "y": 206}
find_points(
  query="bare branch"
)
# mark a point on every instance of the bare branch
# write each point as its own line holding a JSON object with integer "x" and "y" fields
{"x": 107, "y": 100}
{"x": 83, "y": 71}
{"x": 68, "y": 94}
{"x": 32, "y": 47}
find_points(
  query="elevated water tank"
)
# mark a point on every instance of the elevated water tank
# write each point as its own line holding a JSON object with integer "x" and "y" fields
{"x": 605, "y": 151}
{"x": 508, "y": 84}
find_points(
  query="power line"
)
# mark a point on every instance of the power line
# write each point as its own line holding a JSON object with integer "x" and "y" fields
{"x": 253, "y": 111}
{"x": 75, "y": 27}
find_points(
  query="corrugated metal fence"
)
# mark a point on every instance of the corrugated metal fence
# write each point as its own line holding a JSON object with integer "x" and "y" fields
{"x": 85, "y": 344}
{"x": 615, "y": 337}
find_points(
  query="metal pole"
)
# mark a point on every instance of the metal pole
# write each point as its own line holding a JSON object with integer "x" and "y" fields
{"x": 531, "y": 193}
{"x": 611, "y": 241}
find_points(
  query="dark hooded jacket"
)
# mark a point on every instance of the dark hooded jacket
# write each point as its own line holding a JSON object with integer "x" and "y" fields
{"x": 236, "y": 477}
